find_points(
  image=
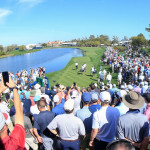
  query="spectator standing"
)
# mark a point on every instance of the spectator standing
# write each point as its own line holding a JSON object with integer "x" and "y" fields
{"x": 86, "y": 116}
{"x": 41, "y": 122}
{"x": 104, "y": 123}
{"x": 76, "y": 65}
{"x": 59, "y": 107}
{"x": 70, "y": 127}
{"x": 134, "y": 126}
{"x": 16, "y": 140}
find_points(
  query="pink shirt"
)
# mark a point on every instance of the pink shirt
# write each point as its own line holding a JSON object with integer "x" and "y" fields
{"x": 147, "y": 113}
{"x": 32, "y": 100}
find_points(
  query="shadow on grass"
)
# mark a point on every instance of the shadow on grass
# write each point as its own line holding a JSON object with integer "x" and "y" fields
{"x": 93, "y": 79}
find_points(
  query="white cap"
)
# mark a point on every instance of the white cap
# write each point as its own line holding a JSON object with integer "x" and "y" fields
{"x": 105, "y": 96}
{"x": 37, "y": 86}
{"x": 130, "y": 87}
{"x": 95, "y": 84}
{"x": 121, "y": 93}
{"x": 74, "y": 94}
{"x": 122, "y": 87}
{"x": 69, "y": 104}
{"x": 102, "y": 83}
{"x": 56, "y": 99}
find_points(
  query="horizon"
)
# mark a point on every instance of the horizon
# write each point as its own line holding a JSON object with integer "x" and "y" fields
{"x": 24, "y": 22}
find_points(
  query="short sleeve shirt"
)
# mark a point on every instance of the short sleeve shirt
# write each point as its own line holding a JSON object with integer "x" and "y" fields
{"x": 133, "y": 126}
{"x": 70, "y": 126}
{"x": 105, "y": 120}
{"x": 16, "y": 140}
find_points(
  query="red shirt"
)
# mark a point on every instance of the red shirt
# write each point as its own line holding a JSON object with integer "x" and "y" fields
{"x": 16, "y": 140}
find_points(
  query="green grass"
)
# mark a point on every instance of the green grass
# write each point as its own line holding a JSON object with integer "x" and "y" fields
{"x": 147, "y": 50}
{"x": 68, "y": 75}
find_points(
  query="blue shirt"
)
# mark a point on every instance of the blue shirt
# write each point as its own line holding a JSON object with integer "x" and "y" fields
{"x": 27, "y": 104}
{"x": 122, "y": 108}
{"x": 133, "y": 126}
{"x": 94, "y": 108}
{"x": 42, "y": 120}
{"x": 86, "y": 116}
{"x": 105, "y": 120}
{"x": 59, "y": 109}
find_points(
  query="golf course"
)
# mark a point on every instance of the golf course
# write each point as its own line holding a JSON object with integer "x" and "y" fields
{"x": 68, "y": 75}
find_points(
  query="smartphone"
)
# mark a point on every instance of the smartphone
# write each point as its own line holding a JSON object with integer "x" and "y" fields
{"x": 74, "y": 84}
{"x": 5, "y": 77}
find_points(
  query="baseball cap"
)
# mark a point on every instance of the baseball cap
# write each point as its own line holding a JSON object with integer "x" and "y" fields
{"x": 94, "y": 97}
{"x": 86, "y": 97}
{"x": 69, "y": 104}
{"x": 36, "y": 98}
{"x": 121, "y": 93}
{"x": 2, "y": 120}
{"x": 74, "y": 94}
{"x": 122, "y": 87}
{"x": 37, "y": 86}
{"x": 105, "y": 96}
{"x": 130, "y": 87}
{"x": 56, "y": 99}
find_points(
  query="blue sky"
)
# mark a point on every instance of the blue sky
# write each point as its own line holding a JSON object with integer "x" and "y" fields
{"x": 34, "y": 21}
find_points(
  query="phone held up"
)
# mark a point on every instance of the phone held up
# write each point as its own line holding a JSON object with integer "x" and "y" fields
{"x": 5, "y": 77}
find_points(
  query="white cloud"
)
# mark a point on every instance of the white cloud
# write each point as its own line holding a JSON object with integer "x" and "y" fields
{"x": 3, "y": 14}
{"x": 31, "y": 3}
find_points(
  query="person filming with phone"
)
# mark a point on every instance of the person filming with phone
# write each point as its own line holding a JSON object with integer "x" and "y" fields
{"x": 16, "y": 140}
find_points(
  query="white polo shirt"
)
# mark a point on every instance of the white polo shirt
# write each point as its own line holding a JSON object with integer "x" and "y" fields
{"x": 70, "y": 126}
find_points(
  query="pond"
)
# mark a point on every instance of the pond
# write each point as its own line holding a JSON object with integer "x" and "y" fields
{"x": 51, "y": 59}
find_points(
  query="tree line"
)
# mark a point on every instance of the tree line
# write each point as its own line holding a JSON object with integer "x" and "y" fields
{"x": 91, "y": 41}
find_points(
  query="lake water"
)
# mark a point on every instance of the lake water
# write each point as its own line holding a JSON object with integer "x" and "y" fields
{"x": 51, "y": 59}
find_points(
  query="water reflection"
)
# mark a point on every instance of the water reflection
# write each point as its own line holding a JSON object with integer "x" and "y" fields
{"x": 51, "y": 59}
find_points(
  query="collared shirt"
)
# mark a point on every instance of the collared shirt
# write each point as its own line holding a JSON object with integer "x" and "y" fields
{"x": 106, "y": 121}
{"x": 70, "y": 126}
{"x": 59, "y": 109}
{"x": 86, "y": 116}
{"x": 133, "y": 126}
{"x": 147, "y": 113}
{"x": 42, "y": 120}
{"x": 122, "y": 108}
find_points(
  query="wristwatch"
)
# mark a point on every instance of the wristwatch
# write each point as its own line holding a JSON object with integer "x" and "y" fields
{"x": 14, "y": 88}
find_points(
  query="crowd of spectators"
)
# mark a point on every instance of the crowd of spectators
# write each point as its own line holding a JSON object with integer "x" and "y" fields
{"x": 101, "y": 116}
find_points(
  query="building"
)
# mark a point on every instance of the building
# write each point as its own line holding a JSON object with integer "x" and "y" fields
{"x": 33, "y": 46}
{"x": 54, "y": 43}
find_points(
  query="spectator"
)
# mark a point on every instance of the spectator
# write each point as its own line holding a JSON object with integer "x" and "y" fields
{"x": 86, "y": 116}
{"x": 95, "y": 103}
{"x": 41, "y": 122}
{"x": 104, "y": 123}
{"x": 70, "y": 127}
{"x": 120, "y": 145}
{"x": 59, "y": 107}
{"x": 34, "y": 109}
{"x": 134, "y": 126}
{"x": 121, "y": 106}
{"x": 16, "y": 140}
